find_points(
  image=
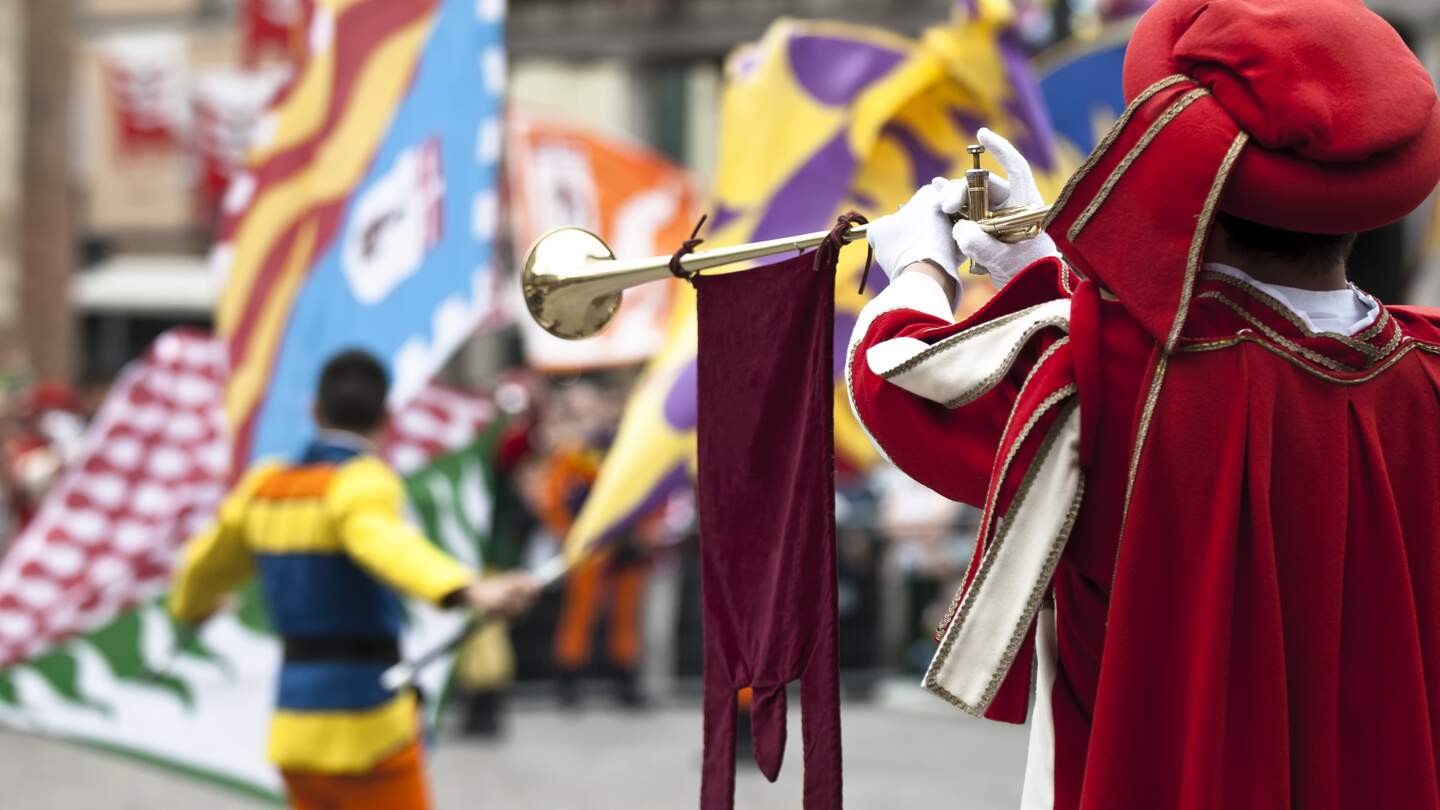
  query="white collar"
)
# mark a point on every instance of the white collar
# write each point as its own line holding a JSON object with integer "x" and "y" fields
{"x": 1299, "y": 301}
{"x": 345, "y": 438}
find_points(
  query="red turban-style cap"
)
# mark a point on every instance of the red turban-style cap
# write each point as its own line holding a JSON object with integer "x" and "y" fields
{"x": 1343, "y": 120}
{"x": 1308, "y": 115}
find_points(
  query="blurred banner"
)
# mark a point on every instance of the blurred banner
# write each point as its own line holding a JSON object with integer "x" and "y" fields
{"x": 452, "y": 495}
{"x": 1081, "y": 80}
{"x": 1432, "y": 237}
{"x": 145, "y": 81}
{"x": 819, "y": 118}
{"x": 226, "y": 106}
{"x": 368, "y": 212}
{"x": 638, "y": 201}
{"x": 87, "y": 652}
{"x": 1426, "y": 289}
{"x": 274, "y": 28}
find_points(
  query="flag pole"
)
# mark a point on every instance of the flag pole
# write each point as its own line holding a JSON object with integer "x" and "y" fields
{"x": 406, "y": 672}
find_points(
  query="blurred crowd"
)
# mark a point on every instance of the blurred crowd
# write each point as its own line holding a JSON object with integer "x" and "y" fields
{"x": 41, "y": 429}
{"x": 625, "y": 625}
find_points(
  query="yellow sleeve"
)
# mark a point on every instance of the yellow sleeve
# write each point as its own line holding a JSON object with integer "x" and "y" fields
{"x": 366, "y": 500}
{"x": 216, "y": 560}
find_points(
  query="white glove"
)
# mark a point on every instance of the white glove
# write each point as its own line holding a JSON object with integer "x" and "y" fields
{"x": 917, "y": 232}
{"x": 1002, "y": 260}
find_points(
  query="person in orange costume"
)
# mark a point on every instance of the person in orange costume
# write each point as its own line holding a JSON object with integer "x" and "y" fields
{"x": 615, "y": 576}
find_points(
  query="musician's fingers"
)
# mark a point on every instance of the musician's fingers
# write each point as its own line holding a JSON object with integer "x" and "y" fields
{"x": 1004, "y": 152}
{"x": 946, "y": 193}
{"x": 1017, "y": 169}
{"x": 952, "y": 196}
{"x": 999, "y": 191}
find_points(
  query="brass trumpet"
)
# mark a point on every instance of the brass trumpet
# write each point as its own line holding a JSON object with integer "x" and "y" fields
{"x": 572, "y": 281}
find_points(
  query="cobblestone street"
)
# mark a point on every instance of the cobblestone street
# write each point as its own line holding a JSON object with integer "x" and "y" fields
{"x": 901, "y": 752}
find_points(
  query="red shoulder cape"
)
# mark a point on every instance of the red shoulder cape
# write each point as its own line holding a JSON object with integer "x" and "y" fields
{"x": 1249, "y": 601}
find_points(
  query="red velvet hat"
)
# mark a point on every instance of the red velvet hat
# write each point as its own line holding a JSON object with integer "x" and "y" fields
{"x": 1343, "y": 120}
{"x": 1309, "y": 115}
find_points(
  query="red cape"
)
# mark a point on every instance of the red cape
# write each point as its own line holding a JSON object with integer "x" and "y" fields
{"x": 1248, "y": 604}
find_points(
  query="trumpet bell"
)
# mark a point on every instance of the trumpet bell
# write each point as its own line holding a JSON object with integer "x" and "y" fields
{"x": 554, "y": 282}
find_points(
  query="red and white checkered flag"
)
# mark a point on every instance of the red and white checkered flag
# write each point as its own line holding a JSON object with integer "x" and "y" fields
{"x": 154, "y": 465}
{"x": 154, "y": 468}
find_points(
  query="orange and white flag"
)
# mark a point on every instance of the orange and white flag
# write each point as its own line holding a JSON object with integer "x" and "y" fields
{"x": 638, "y": 201}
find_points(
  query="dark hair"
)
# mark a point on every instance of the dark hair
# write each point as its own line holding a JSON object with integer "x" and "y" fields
{"x": 353, "y": 387}
{"x": 1316, "y": 252}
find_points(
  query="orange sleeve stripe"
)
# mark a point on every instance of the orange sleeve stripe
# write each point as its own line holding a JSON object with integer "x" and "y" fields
{"x": 297, "y": 483}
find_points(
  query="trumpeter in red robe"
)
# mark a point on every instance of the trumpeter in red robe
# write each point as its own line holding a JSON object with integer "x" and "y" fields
{"x": 1211, "y": 534}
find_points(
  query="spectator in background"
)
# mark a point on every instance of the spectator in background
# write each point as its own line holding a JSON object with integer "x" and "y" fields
{"x": 485, "y": 667}
{"x": 611, "y": 581}
{"x": 42, "y": 435}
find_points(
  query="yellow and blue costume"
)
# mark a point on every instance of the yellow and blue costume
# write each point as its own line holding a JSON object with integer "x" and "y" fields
{"x": 329, "y": 542}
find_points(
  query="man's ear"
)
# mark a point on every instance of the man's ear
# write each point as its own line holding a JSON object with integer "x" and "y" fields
{"x": 315, "y": 414}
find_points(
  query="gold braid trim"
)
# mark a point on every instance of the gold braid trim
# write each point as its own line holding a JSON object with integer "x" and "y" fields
{"x": 1374, "y": 329}
{"x": 1037, "y": 591}
{"x": 1109, "y": 141}
{"x": 1171, "y": 113}
{"x": 1202, "y": 235}
{"x": 1394, "y": 339}
{"x": 997, "y": 477}
{"x": 980, "y": 389}
{"x": 957, "y": 339}
{"x": 1313, "y": 356}
{"x": 1157, "y": 378}
{"x": 1215, "y": 345}
{"x": 1358, "y": 344}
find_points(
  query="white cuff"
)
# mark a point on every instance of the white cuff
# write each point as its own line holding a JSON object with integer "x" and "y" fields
{"x": 920, "y": 292}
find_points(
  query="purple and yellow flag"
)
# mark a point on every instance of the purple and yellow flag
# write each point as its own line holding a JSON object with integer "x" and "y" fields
{"x": 818, "y": 118}
{"x": 368, "y": 209}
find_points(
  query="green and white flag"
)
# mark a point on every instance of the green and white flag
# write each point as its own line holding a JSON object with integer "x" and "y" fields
{"x": 87, "y": 651}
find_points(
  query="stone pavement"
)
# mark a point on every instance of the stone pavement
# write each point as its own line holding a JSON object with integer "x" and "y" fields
{"x": 900, "y": 752}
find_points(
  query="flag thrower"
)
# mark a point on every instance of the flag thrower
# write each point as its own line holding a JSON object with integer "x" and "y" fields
{"x": 572, "y": 281}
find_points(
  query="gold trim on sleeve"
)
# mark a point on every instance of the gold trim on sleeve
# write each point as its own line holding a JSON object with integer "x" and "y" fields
{"x": 967, "y": 598}
{"x": 997, "y": 478}
{"x": 985, "y": 385}
{"x": 945, "y": 344}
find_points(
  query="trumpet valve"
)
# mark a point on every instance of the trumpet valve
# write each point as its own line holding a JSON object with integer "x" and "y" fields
{"x": 977, "y": 182}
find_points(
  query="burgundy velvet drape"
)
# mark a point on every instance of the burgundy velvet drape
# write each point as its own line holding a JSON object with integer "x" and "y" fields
{"x": 767, "y": 520}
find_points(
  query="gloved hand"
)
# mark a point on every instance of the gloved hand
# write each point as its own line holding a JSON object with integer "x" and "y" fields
{"x": 508, "y": 594}
{"x": 917, "y": 232}
{"x": 1002, "y": 260}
